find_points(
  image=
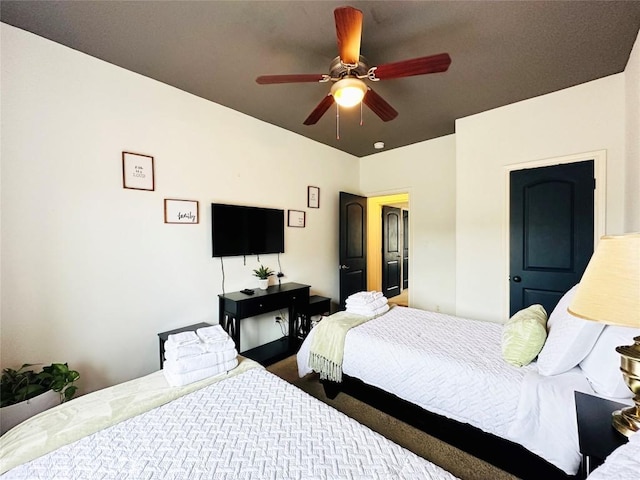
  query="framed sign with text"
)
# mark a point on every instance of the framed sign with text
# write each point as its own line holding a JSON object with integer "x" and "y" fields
{"x": 180, "y": 211}
{"x": 137, "y": 171}
{"x": 313, "y": 197}
{"x": 296, "y": 218}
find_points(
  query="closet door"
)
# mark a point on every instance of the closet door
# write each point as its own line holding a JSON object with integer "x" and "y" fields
{"x": 391, "y": 251}
{"x": 551, "y": 232}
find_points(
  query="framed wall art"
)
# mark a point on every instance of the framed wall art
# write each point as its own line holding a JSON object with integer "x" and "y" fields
{"x": 295, "y": 218}
{"x": 137, "y": 171}
{"x": 181, "y": 211}
{"x": 313, "y": 197}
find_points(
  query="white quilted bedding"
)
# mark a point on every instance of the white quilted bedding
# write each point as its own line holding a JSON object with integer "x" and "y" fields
{"x": 250, "y": 426}
{"x": 464, "y": 374}
{"x": 622, "y": 464}
{"x": 453, "y": 367}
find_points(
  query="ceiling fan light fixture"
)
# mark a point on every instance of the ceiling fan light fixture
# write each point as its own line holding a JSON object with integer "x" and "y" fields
{"x": 348, "y": 92}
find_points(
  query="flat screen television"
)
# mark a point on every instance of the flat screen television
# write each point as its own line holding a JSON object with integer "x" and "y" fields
{"x": 240, "y": 230}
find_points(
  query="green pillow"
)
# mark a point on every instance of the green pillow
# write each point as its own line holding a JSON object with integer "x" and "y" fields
{"x": 523, "y": 335}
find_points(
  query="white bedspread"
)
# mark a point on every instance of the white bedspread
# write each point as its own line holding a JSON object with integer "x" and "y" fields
{"x": 622, "y": 464}
{"x": 546, "y": 422}
{"x": 250, "y": 426}
{"x": 453, "y": 367}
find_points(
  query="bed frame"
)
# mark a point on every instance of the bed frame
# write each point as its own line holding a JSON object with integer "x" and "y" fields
{"x": 504, "y": 454}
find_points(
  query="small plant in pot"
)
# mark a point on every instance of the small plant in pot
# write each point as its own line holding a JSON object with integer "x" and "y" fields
{"x": 25, "y": 392}
{"x": 263, "y": 273}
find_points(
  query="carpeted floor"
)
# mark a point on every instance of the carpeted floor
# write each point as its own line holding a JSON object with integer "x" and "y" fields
{"x": 461, "y": 464}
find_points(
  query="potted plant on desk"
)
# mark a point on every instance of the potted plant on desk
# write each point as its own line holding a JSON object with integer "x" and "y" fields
{"x": 24, "y": 393}
{"x": 263, "y": 273}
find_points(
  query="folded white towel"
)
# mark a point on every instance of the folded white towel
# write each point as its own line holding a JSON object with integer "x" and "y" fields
{"x": 370, "y": 306}
{"x": 180, "y": 379}
{"x": 383, "y": 309}
{"x": 363, "y": 298}
{"x": 206, "y": 360}
{"x": 212, "y": 334}
{"x": 182, "y": 351}
{"x": 222, "y": 346}
{"x": 360, "y": 311}
{"x": 180, "y": 339}
{"x": 377, "y": 303}
{"x": 366, "y": 294}
{"x": 369, "y": 312}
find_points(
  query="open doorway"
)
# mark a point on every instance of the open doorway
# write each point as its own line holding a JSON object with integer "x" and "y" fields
{"x": 388, "y": 246}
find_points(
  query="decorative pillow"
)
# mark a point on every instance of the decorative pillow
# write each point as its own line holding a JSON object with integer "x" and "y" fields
{"x": 602, "y": 365}
{"x": 523, "y": 335}
{"x": 569, "y": 340}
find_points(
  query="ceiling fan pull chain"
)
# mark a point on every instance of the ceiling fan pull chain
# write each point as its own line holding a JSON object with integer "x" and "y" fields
{"x": 360, "y": 113}
{"x": 337, "y": 122}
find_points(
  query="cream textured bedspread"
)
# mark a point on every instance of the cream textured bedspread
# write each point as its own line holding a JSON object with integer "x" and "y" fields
{"x": 95, "y": 411}
{"x": 253, "y": 426}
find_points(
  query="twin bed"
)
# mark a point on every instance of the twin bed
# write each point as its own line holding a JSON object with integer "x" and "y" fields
{"x": 246, "y": 424}
{"x": 446, "y": 376}
{"x": 250, "y": 424}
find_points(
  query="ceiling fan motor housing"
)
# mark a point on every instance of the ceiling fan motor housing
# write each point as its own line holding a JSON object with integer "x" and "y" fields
{"x": 339, "y": 70}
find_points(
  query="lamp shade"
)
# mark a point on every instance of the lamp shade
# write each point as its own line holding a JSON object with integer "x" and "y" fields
{"x": 609, "y": 291}
{"x": 348, "y": 91}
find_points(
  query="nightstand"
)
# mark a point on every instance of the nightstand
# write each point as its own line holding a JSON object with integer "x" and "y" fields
{"x": 597, "y": 436}
{"x": 317, "y": 306}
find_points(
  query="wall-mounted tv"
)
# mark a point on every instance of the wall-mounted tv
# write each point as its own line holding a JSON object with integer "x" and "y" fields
{"x": 240, "y": 230}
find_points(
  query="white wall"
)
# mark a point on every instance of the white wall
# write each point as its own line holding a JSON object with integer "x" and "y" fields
{"x": 427, "y": 171}
{"x": 471, "y": 281}
{"x": 632, "y": 188}
{"x": 584, "y": 118}
{"x": 90, "y": 273}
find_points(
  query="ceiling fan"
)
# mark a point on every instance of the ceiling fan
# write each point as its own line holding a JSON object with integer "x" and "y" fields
{"x": 349, "y": 70}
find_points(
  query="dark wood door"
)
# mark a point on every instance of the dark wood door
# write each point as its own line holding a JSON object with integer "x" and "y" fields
{"x": 551, "y": 232}
{"x": 405, "y": 249}
{"x": 391, "y": 250}
{"x": 353, "y": 245}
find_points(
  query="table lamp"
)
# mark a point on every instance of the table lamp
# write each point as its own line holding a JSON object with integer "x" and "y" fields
{"x": 609, "y": 292}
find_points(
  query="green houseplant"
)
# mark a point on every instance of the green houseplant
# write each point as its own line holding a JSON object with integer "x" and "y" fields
{"x": 24, "y": 383}
{"x": 24, "y": 392}
{"x": 263, "y": 273}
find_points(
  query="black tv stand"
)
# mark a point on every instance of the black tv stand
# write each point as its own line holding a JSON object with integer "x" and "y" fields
{"x": 274, "y": 351}
{"x": 236, "y": 306}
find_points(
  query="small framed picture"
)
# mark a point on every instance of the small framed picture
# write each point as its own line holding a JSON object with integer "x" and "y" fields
{"x": 181, "y": 211}
{"x": 313, "y": 197}
{"x": 296, "y": 218}
{"x": 137, "y": 171}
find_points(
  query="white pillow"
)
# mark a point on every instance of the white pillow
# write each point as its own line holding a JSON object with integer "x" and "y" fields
{"x": 602, "y": 365}
{"x": 569, "y": 341}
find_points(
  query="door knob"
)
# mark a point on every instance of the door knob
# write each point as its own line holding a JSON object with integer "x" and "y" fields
{"x": 344, "y": 267}
{"x": 517, "y": 279}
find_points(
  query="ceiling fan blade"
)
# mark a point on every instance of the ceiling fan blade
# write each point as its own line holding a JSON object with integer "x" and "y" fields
{"x": 295, "y": 78}
{"x": 349, "y": 33}
{"x": 320, "y": 110}
{"x": 416, "y": 66}
{"x": 379, "y": 106}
